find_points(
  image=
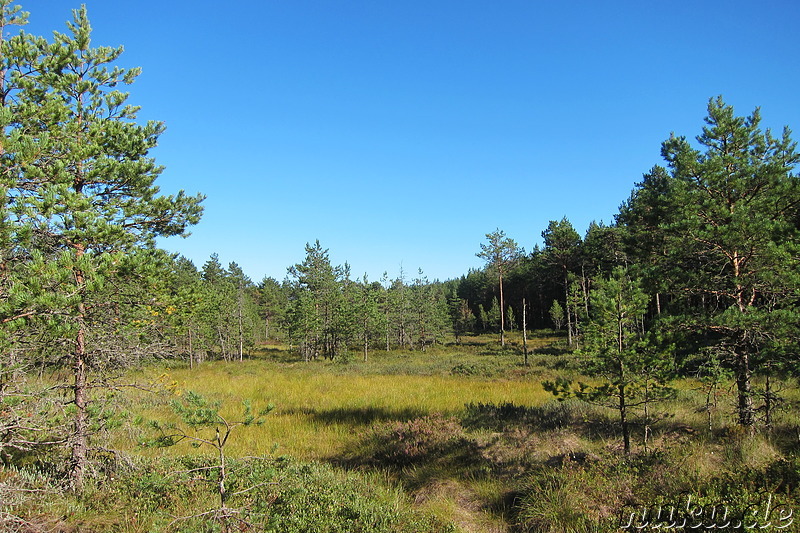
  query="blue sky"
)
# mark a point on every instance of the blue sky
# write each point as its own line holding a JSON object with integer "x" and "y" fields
{"x": 401, "y": 132}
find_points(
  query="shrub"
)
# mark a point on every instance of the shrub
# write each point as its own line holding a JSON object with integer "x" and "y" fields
{"x": 419, "y": 440}
{"x": 314, "y": 497}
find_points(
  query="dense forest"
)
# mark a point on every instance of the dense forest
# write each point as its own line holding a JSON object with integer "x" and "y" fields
{"x": 696, "y": 277}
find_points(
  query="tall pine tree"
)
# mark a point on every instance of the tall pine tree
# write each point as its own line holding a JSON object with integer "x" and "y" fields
{"x": 738, "y": 202}
{"x": 82, "y": 186}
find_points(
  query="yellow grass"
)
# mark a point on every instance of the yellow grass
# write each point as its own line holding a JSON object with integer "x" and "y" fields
{"x": 319, "y": 413}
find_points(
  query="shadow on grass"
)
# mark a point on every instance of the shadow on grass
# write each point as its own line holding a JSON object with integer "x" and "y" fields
{"x": 573, "y": 414}
{"x": 497, "y": 417}
{"x": 358, "y": 416}
{"x": 276, "y": 354}
{"x": 418, "y": 450}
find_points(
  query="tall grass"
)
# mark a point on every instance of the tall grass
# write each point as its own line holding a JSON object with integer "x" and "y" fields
{"x": 320, "y": 411}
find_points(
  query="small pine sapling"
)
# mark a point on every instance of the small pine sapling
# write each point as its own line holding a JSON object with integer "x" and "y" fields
{"x": 196, "y": 414}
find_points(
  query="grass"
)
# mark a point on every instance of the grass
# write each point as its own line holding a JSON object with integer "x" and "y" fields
{"x": 463, "y": 433}
{"x": 321, "y": 408}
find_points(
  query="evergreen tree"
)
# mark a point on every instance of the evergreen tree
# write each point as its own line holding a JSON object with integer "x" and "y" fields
{"x": 561, "y": 248}
{"x": 557, "y": 314}
{"x": 493, "y": 315}
{"x": 76, "y": 164}
{"x": 634, "y": 373}
{"x": 245, "y": 308}
{"x": 186, "y": 298}
{"x": 219, "y": 307}
{"x": 461, "y": 316}
{"x": 499, "y": 253}
{"x": 316, "y": 304}
{"x": 400, "y": 301}
{"x": 370, "y": 317}
{"x": 644, "y": 221}
{"x": 738, "y": 204}
{"x": 272, "y": 302}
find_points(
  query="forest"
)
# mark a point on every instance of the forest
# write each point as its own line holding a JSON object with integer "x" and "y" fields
{"x": 585, "y": 385}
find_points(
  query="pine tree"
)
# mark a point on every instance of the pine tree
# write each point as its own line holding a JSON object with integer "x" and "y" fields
{"x": 557, "y": 314}
{"x": 315, "y": 315}
{"x": 75, "y": 161}
{"x": 368, "y": 312}
{"x": 561, "y": 247}
{"x": 738, "y": 203}
{"x": 272, "y": 304}
{"x": 500, "y": 253}
{"x": 633, "y": 372}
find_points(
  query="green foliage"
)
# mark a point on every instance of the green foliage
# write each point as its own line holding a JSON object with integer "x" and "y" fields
{"x": 197, "y": 412}
{"x": 316, "y": 321}
{"x": 314, "y": 497}
{"x": 500, "y": 253}
{"x": 86, "y": 211}
{"x": 463, "y": 319}
{"x": 557, "y": 314}
{"x": 634, "y": 371}
{"x": 735, "y": 223}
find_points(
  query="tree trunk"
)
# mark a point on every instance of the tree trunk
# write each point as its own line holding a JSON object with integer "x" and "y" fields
{"x": 222, "y": 343}
{"x": 623, "y": 420}
{"x": 524, "y": 331}
{"x": 768, "y": 401}
{"x": 585, "y": 291}
{"x": 241, "y": 332}
{"x": 366, "y": 338}
{"x": 569, "y": 313}
{"x": 80, "y": 428}
{"x": 744, "y": 404}
{"x": 743, "y": 371}
{"x": 502, "y": 314}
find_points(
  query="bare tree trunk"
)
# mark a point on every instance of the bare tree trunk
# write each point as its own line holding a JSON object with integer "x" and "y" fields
{"x": 80, "y": 428}
{"x": 222, "y": 343}
{"x": 525, "y": 331}
{"x": 744, "y": 404}
{"x": 569, "y": 313}
{"x": 241, "y": 332}
{"x": 585, "y": 291}
{"x": 502, "y": 314}
{"x": 366, "y": 338}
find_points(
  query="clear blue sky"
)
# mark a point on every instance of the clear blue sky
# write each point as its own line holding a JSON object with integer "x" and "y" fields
{"x": 401, "y": 132}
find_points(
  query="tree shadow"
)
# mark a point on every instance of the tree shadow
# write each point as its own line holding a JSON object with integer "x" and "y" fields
{"x": 358, "y": 416}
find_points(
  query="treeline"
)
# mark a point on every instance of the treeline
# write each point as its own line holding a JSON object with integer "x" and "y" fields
{"x": 320, "y": 310}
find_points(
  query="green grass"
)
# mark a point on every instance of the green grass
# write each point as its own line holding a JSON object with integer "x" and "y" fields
{"x": 464, "y": 434}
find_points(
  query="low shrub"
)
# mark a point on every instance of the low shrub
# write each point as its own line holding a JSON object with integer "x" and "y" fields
{"x": 315, "y": 497}
{"x": 424, "y": 439}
